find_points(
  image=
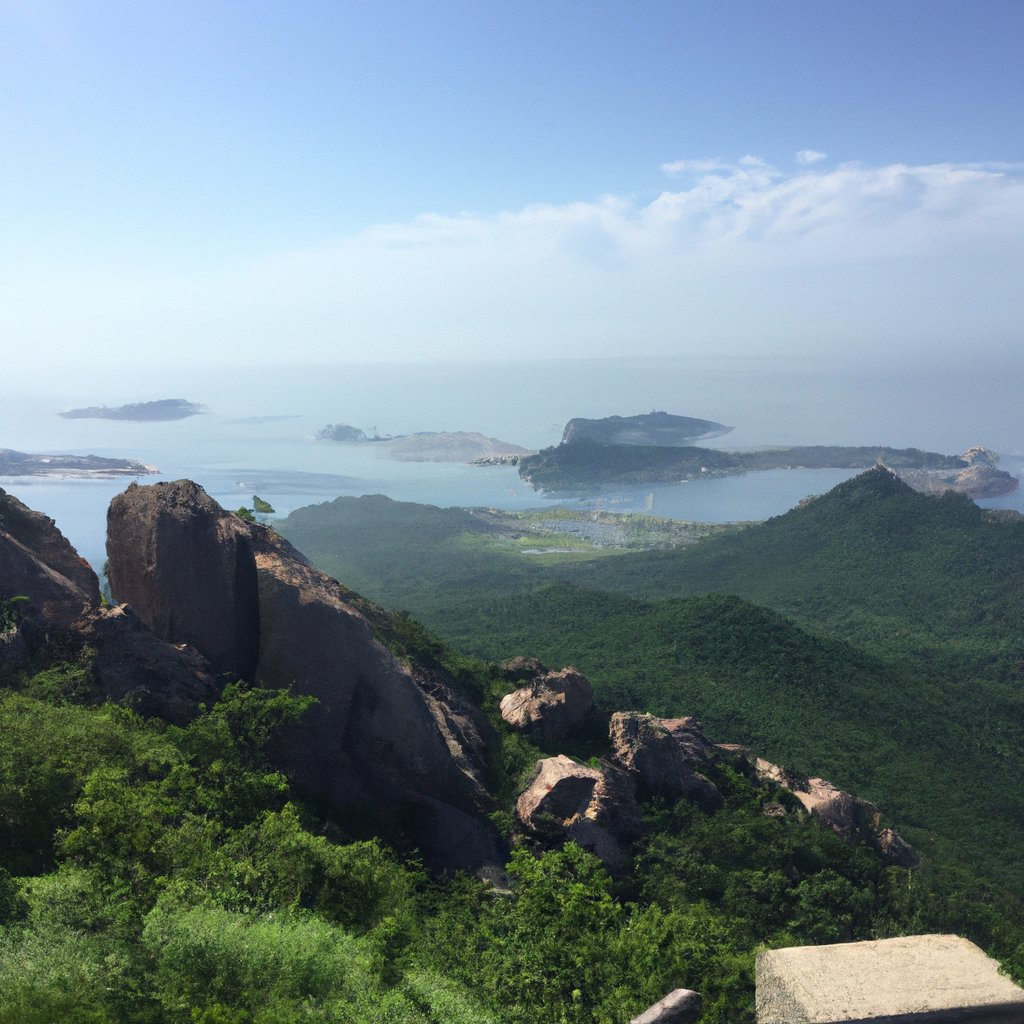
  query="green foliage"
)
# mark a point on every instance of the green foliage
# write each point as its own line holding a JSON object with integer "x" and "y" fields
{"x": 10, "y": 612}
{"x": 246, "y": 514}
{"x": 261, "y": 506}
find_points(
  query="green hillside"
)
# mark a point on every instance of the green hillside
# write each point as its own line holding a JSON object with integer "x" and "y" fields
{"x": 904, "y": 574}
{"x": 943, "y": 757}
{"x": 904, "y": 687}
{"x": 407, "y": 555}
{"x": 151, "y": 874}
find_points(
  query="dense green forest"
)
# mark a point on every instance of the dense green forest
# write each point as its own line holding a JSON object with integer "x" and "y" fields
{"x": 150, "y": 873}
{"x": 909, "y": 651}
{"x": 156, "y": 874}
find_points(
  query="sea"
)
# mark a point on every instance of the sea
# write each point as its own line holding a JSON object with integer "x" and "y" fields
{"x": 258, "y": 435}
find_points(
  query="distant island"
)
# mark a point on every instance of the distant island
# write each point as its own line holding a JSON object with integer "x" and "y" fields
{"x": 452, "y": 446}
{"x": 78, "y": 467}
{"x": 139, "y": 412}
{"x": 432, "y": 446}
{"x": 585, "y": 466}
{"x": 654, "y": 428}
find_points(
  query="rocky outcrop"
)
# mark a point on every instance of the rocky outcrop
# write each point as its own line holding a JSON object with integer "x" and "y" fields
{"x": 188, "y": 569}
{"x": 848, "y": 816}
{"x": 550, "y": 705}
{"x": 383, "y": 739}
{"x": 594, "y": 807}
{"x": 828, "y": 804}
{"x": 133, "y": 667}
{"x": 661, "y": 753}
{"x": 38, "y": 562}
{"x": 681, "y": 1006}
{"x": 894, "y": 849}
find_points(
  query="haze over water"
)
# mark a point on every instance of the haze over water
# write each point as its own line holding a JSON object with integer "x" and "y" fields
{"x": 259, "y": 434}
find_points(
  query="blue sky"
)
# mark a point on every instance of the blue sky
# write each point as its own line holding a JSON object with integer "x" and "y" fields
{"x": 309, "y": 181}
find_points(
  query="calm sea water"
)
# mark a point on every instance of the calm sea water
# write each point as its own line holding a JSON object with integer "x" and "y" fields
{"x": 236, "y": 450}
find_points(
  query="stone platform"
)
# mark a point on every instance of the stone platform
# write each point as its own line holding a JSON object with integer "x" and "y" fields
{"x": 920, "y": 979}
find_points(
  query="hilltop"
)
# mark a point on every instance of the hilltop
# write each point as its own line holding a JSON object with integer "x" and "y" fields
{"x": 657, "y": 428}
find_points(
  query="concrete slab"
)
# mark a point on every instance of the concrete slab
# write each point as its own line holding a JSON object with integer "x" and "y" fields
{"x": 920, "y": 979}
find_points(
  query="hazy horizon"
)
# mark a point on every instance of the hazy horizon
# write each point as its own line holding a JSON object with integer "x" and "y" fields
{"x": 219, "y": 184}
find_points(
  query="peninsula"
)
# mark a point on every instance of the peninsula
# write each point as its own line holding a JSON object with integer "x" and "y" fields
{"x": 75, "y": 467}
{"x": 585, "y": 466}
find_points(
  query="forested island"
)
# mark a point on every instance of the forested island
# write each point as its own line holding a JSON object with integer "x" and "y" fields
{"x": 586, "y": 466}
{"x": 138, "y": 412}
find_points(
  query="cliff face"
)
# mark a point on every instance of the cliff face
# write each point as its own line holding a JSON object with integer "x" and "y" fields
{"x": 38, "y": 562}
{"x": 383, "y": 738}
{"x": 187, "y": 568}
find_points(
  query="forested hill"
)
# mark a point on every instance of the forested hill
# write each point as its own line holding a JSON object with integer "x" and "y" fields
{"x": 872, "y": 561}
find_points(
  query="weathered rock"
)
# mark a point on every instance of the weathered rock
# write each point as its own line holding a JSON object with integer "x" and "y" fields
{"x": 681, "y": 1006}
{"x": 188, "y": 569}
{"x": 382, "y": 739}
{"x": 894, "y": 849}
{"x": 522, "y": 667}
{"x": 38, "y": 562}
{"x": 846, "y": 815}
{"x": 132, "y": 666}
{"x": 550, "y": 705}
{"x": 379, "y": 728}
{"x": 594, "y": 807}
{"x": 660, "y": 753}
{"x": 919, "y": 979}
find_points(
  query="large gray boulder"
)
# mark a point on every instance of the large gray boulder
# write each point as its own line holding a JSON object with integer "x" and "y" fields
{"x": 384, "y": 739}
{"x": 131, "y": 666}
{"x": 38, "y": 562}
{"x": 188, "y": 569}
{"x": 660, "y": 752}
{"x": 549, "y": 705}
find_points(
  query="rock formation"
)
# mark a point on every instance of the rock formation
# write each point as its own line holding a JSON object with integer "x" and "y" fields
{"x": 846, "y": 815}
{"x": 681, "y": 1006}
{"x": 133, "y": 667}
{"x": 38, "y": 562}
{"x": 383, "y": 739}
{"x": 594, "y": 807}
{"x": 188, "y": 569}
{"x": 550, "y": 705}
{"x": 661, "y": 753}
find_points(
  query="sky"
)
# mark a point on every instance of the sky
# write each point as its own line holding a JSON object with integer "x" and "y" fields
{"x": 206, "y": 183}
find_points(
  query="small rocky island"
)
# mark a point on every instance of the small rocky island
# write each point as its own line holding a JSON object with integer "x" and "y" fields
{"x": 74, "y": 467}
{"x": 138, "y": 412}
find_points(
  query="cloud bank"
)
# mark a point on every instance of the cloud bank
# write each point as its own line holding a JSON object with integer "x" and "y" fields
{"x": 745, "y": 258}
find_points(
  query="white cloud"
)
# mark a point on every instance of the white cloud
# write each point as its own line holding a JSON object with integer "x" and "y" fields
{"x": 748, "y": 257}
{"x": 809, "y": 156}
{"x": 682, "y": 166}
